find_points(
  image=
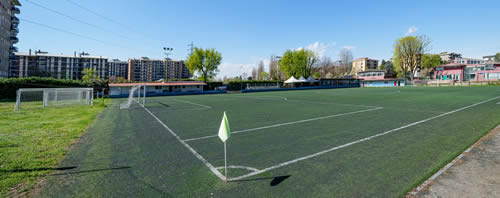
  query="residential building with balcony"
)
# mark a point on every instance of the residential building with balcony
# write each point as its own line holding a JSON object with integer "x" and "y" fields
{"x": 43, "y": 64}
{"x": 363, "y": 64}
{"x": 8, "y": 33}
{"x": 449, "y": 57}
{"x": 149, "y": 70}
{"x": 117, "y": 69}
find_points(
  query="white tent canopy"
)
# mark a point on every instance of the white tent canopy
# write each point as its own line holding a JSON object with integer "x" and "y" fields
{"x": 292, "y": 80}
{"x": 311, "y": 79}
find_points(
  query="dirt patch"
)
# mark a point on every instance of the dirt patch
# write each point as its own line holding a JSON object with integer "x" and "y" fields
{"x": 476, "y": 174}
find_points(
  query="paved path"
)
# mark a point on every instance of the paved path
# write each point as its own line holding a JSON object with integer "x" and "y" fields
{"x": 476, "y": 175}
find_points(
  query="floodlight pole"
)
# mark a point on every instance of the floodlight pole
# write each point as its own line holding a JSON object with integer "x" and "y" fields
{"x": 225, "y": 160}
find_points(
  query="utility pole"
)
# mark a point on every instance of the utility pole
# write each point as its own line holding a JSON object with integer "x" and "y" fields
{"x": 191, "y": 48}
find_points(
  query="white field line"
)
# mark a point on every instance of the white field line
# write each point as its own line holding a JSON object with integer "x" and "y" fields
{"x": 240, "y": 167}
{"x": 192, "y": 103}
{"x": 305, "y": 101}
{"x": 286, "y": 123}
{"x": 357, "y": 141}
{"x": 210, "y": 166}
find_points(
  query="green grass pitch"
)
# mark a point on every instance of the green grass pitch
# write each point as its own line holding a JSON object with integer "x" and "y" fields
{"x": 359, "y": 142}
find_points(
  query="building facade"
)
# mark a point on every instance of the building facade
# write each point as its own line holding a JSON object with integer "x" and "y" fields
{"x": 363, "y": 64}
{"x": 8, "y": 33}
{"x": 449, "y": 57}
{"x": 468, "y": 61}
{"x": 42, "y": 64}
{"x": 148, "y": 70}
{"x": 117, "y": 69}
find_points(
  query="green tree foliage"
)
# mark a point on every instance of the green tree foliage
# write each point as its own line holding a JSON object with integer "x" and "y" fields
{"x": 205, "y": 62}
{"x": 497, "y": 57}
{"x": 90, "y": 75}
{"x": 407, "y": 54}
{"x": 264, "y": 76}
{"x": 430, "y": 60}
{"x": 298, "y": 63}
{"x": 317, "y": 75}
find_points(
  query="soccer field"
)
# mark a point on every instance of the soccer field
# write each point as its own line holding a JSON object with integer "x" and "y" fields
{"x": 359, "y": 142}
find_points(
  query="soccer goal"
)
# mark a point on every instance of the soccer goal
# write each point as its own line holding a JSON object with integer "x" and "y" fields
{"x": 43, "y": 97}
{"x": 137, "y": 94}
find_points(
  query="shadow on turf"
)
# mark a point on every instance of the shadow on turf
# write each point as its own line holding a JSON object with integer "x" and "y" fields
{"x": 63, "y": 169}
{"x": 276, "y": 180}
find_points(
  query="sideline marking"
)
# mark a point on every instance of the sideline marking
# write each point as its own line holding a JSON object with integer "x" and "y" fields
{"x": 192, "y": 103}
{"x": 357, "y": 141}
{"x": 286, "y": 123}
{"x": 239, "y": 167}
{"x": 210, "y": 166}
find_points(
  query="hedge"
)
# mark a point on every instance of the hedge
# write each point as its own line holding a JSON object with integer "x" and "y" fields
{"x": 9, "y": 86}
{"x": 212, "y": 85}
{"x": 239, "y": 85}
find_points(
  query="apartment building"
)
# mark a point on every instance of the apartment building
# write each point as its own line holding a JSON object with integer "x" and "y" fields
{"x": 8, "y": 33}
{"x": 468, "y": 61}
{"x": 58, "y": 66}
{"x": 449, "y": 57}
{"x": 363, "y": 64}
{"x": 117, "y": 69}
{"x": 148, "y": 70}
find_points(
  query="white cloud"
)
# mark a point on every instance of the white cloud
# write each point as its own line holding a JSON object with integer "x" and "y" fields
{"x": 349, "y": 47}
{"x": 411, "y": 30}
{"x": 234, "y": 69}
{"x": 318, "y": 48}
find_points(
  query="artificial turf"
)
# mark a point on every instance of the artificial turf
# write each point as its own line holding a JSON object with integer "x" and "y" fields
{"x": 34, "y": 140}
{"x": 129, "y": 153}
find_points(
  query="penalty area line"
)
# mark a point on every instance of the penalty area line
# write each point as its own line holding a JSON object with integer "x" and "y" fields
{"x": 201, "y": 158}
{"x": 356, "y": 142}
{"x": 200, "y": 105}
{"x": 286, "y": 123}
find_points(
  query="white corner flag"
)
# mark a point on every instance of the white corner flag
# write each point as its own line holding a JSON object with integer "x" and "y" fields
{"x": 224, "y": 133}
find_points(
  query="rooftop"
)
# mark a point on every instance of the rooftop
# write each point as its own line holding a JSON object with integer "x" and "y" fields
{"x": 158, "y": 83}
{"x": 57, "y": 55}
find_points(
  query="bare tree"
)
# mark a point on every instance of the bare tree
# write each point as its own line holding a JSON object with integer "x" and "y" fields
{"x": 254, "y": 74}
{"x": 273, "y": 68}
{"x": 345, "y": 57}
{"x": 260, "y": 69}
{"x": 325, "y": 66}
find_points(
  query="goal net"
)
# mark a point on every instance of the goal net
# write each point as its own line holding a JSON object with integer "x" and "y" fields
{"x": 137, "y": 94}
{"x": 42, "y": 97}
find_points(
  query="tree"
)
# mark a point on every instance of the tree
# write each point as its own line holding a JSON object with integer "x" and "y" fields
{"x": 205, "y": 62}
{"x": 497, "y": 57}
{"x": 298, "y": 63}
{"x": 317, "y": 75}
{"x": 273, "y": 68}
{"x": 408, "y": 52}
{"x": 381, "y": 66}
{"x": 263, "y": 76}
{"x": 431, "y": 60}
{"x": 89, "y": 75}
{"x": 260, "y": 69}
{"x": 254, "y": 74}
{"x": 325, "y": 65}
{"x": 345, "y": 57}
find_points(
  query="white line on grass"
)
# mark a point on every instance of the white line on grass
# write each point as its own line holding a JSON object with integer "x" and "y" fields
{"x": 357, "y": 141}
{"x": 192, "y": 103}
{"x": 210, "y": 166}
{"x": 240, "y": 167}
{"x": 287, "y": 123}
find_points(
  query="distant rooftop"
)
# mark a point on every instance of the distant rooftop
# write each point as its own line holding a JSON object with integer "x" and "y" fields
{"x": 58, "y": 55}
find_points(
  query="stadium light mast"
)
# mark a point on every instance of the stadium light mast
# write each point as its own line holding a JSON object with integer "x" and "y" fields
{"x": 167, "y": 51}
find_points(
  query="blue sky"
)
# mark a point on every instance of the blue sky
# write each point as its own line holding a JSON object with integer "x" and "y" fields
{"x": 246, "y": 32}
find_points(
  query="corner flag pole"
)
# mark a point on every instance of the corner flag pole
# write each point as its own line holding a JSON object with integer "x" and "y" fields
{"x": 224, "y": 134}
{"x": 225, "y": 161}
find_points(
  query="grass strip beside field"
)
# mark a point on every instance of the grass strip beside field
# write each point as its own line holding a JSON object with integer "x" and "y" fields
{"x": 34, "y": 141}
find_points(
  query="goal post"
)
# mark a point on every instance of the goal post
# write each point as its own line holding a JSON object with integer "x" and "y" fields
{"x": 137, "y": 94}
{"x": 36, "y": 97}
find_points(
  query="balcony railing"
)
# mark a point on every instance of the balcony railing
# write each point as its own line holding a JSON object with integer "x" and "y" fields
{"x": 13, "y": 49}
{"x": 14, "y": 20}
{"x": 15, "y": 10}
{"x": 14, "y": 39}
{"x": 14, "y": 30}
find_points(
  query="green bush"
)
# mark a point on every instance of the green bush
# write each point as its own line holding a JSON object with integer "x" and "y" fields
{"x": 212, "y": 85}
{"x": 9, "y": 86}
